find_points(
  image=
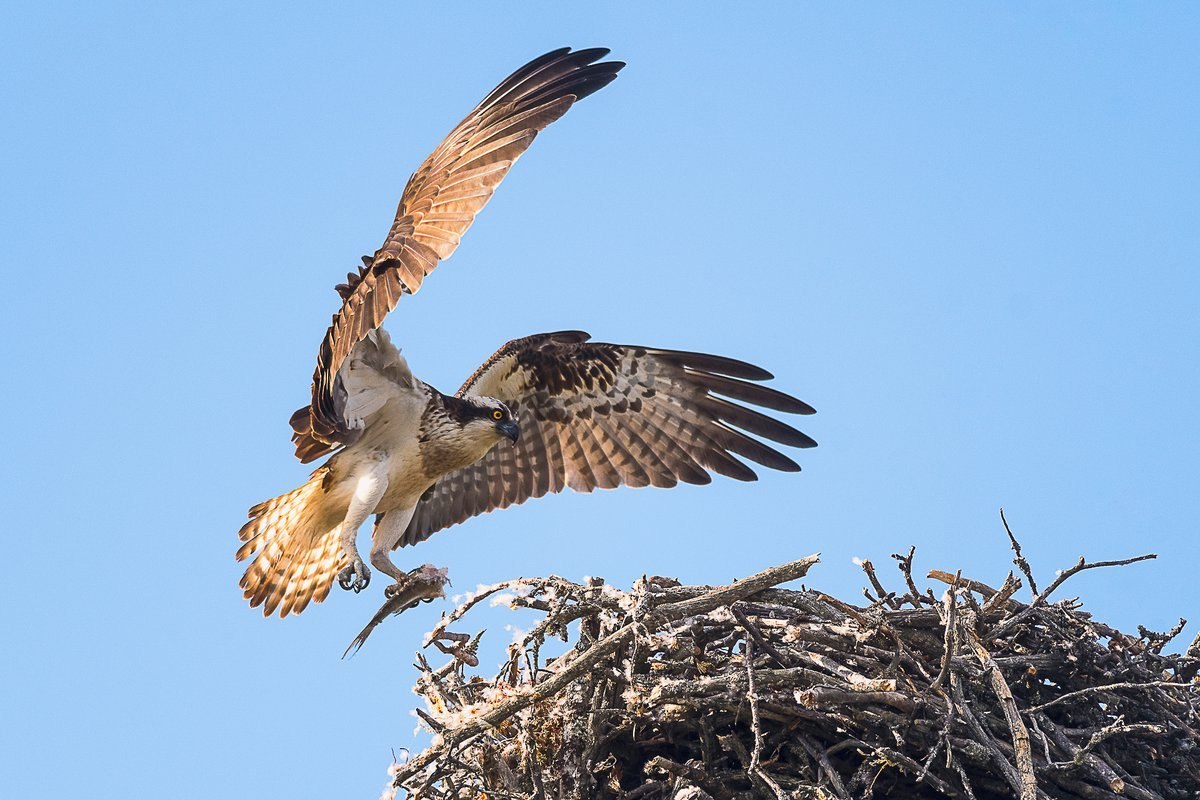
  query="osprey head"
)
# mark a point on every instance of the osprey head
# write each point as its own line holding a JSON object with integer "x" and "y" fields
{"x": 490, "y": 414}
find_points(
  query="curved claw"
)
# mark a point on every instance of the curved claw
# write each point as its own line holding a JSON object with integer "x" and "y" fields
{"x": 426, "y": 576}
{"x": 356, "y": 576}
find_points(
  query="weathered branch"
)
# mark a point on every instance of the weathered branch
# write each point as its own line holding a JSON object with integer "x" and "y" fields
{"x": 751, "y": 691}
{"x": 586, "y": 660}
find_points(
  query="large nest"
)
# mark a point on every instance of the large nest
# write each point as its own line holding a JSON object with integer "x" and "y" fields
{"x": 748, "y": 691}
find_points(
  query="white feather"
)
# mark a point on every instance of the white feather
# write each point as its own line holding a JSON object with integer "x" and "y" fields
{"x": 373, "y": 375}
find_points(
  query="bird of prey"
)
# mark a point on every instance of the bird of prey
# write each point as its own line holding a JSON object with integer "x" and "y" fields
{"x": 544, "y": 413}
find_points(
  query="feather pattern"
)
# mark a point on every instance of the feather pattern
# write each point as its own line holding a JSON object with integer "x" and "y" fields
{"x": 438, "y": 204}
{"x": 597, "y": 416}
{"x": 293, "y": 540}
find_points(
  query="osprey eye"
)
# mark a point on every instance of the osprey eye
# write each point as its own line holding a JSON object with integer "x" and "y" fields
{"x": 497, "y": 415}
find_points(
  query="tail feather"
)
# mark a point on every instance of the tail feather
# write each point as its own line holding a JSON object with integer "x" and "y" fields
{"x": 314, "y": 588}
{"x": 294, "y": 541}
{"x": 295, "y": 577}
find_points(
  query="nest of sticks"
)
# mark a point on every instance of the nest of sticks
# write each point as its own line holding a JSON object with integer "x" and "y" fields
{"x": 751, "y": 691}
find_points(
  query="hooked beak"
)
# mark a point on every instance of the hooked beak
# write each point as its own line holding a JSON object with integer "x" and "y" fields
{"x": 510, "y": 430}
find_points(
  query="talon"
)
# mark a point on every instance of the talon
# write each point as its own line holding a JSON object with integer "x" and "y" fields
{"x": 355, "y": 577}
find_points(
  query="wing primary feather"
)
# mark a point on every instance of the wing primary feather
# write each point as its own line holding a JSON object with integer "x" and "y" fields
{"x": 756, "y": 423}
{"x": 711, "y": 363}
{"x": 578, "y": 85}
{"x": 738, "y": 442}
{"x": 763, "y": 396}
{"x": 546, "y": 73}
{"x": 506, "y": 86}
{"x": 724, "y": 464}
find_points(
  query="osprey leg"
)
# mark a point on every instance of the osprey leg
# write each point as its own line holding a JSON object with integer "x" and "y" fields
{"x": 388, "y": 530}
{"x": 371, "y": 483}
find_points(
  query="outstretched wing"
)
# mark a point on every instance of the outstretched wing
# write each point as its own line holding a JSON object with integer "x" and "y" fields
{"x": 596, "y": 415}
{"x": 439, "y": 203}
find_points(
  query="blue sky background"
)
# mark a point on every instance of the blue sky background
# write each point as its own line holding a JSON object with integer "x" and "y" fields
{"x": 968, "y": 236}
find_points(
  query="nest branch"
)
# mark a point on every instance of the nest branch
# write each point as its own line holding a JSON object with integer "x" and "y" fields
{"x": 750, "y": 690}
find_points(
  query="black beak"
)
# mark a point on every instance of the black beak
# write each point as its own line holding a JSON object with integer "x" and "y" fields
{"x": 510, "y": 429}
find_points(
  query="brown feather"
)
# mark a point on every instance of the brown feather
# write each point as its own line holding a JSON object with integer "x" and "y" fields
{"x": 285, "y": 536}
{"x": 596, "y": 415}
{"x": 763, "y": 396}
{"x": 438, "y": 205}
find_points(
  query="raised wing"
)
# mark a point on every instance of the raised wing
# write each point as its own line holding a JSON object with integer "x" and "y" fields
{"x": 597, "y": 415}
{"x": 439, "y": 203}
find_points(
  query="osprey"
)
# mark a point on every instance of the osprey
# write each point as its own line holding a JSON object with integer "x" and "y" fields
{"x": 544, "y": 413}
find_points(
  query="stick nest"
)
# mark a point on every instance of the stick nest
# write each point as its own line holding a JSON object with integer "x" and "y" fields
{"x": 751, "y": 691}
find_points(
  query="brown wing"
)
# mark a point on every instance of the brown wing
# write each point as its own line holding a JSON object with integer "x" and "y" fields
{"x": 596, "y": 415}
{"x": 439, "y": 203}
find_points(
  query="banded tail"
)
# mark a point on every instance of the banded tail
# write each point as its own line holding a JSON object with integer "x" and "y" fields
{"x": 294, "y": 541}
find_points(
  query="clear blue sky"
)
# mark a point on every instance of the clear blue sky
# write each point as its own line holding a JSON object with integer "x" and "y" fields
{"x": 968, "y": 237}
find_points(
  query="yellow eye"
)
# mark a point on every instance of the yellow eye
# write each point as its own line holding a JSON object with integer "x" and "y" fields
{"x": 497, "y": 415}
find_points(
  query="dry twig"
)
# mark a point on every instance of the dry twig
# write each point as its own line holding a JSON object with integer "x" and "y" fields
{"x": 749, "y": 691}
